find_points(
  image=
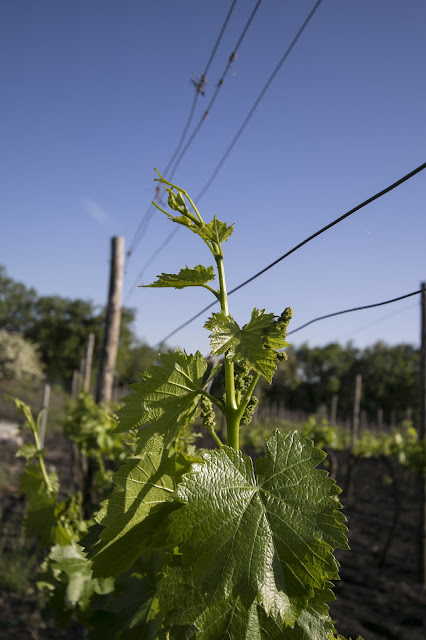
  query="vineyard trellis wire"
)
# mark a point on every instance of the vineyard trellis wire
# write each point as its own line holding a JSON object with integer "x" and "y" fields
{"x": 142, "y": 227}
{"x": 241, "y": 128}
{"x": 376, "y": 196}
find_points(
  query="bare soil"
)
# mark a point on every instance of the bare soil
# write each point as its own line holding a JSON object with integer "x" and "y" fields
{"x": 378, "y": 603}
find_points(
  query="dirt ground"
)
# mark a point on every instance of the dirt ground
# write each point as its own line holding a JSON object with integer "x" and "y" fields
{"x": 379, "y": 603}
{"x": 388, "y": 602}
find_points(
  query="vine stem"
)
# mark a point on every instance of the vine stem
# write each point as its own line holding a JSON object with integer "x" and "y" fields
{"x": 216, "y": 437}
{"x": 41, "y": 462}
{"x": 231, "y": 407}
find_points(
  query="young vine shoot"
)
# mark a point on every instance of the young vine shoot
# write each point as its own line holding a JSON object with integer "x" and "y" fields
{"x": 187, "y": 544}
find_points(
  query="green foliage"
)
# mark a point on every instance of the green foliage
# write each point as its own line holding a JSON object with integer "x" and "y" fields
{"x": 137, "y": 509}
{"x": 60, "y": 328}
{"x": 31, "y": 393}
{"x": 47, "y": 519}
{"x": 166, "y": 399}
{"x": 256, "y": 343}
{"x": 231, "y": 620}
{"x": 133, "y": 357}
{"x": 92, "y": 428}
{"x": 131, "y": 610}
{"x": 190, "y": 544}
{"x": 323, "y": 434}
{"x": 204, "y": 516}
{"x": 273, "y": 521}
{"x": 215, "y": 231}
{"x": 311, "y": 375}
{"x": 16, "y": 304}
{"x": 402, "y": 443}
{"x": 66, "y": 575}
{"x": 197, "y": 277}
{"x": 67, "y": 564}
{"x": 100, "y": 448}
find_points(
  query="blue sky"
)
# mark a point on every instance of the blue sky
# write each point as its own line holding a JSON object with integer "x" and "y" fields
{"x": 96, "y": 94}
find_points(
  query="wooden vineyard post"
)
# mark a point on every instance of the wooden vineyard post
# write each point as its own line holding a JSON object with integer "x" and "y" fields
{"x": 354, "y": 434}
{"x": 112, "y": 323}
{"x": 75, "y": 466}
{"x": 422, "y": 436}
{"x": 355, "y": 418}
{"x": 109, "y": 350}
{"x": 88, "y": 359}
{"x": 333, "y": 412}
{"x": 380, "y": 420}
{"x": 75, "y": 385}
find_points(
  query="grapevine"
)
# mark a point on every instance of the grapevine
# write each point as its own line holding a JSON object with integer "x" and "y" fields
{"x": 203, "y": 545}
{"x": 207, "y": 516}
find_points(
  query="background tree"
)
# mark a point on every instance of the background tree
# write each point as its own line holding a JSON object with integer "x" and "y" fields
{"x": 60, "y": 327}
{"x": 390, "y": 379}
{"x": 310, "y": 377}
{"x": 134, "y": 361}
{"x": 134, "y": 355}
{"x": 16, "y": 304}
{"x": 19, "y": 359}
{"x": 314, "y": 374}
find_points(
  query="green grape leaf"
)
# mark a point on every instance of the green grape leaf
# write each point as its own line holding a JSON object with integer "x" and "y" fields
{"x": 230, "y": 620}
{"x": 192, "y": 616}
{"x": 255, "y": 342}
{"x": 183, "y": 220}
{"x": 91, "y": 537}
{"x": 225, "y": 333}
{"x": 131, "y": 611}
{"x": 31, "y": 481}
{"x": 214, "y": 372}
{"x": 29, "y": 451}
{"x": 167, "y": 397}
{"x": 196, "y": 277}
{"x": 134, "y": 514}
{"x": 69, "y": 564}
{"x": 25, "y": 410}
{"x": 225, "y": 620}
{"x": 214, "y": 231}
{"x": 42, "y": 517}
{"x": 285, "y": 524}
{"x": 42, "y": 522}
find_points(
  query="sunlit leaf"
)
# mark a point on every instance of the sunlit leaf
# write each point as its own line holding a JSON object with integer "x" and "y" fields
{"x": 167, "y": 396}
{"x": 255, "y": 342}
{"x": 196, "y": 277}
{"x": 133, "y": 515}
{"x": 284, "y": 523}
